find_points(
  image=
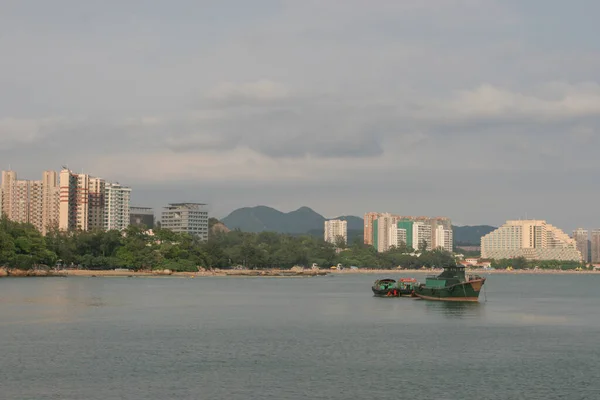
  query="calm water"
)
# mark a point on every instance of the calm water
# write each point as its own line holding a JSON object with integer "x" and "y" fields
{"x": 536, "y": 337}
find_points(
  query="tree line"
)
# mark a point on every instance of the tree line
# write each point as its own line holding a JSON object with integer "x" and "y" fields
{"x": 523, "y": 263}
{"x": 23, "y": 247}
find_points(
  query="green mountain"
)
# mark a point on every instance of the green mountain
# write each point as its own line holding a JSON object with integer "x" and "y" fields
{"x": 306, "y": 221}
{"x": 262, "y": 218}
{"x": 470, "y": 235}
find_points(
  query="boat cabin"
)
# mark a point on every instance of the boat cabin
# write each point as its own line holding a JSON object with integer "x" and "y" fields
{"x": 451, "y": 274}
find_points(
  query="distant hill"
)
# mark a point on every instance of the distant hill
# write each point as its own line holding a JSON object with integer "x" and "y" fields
{"x": 466, "y": 235}
{"x": 307, "y": 221}
{"x": 263, "y": 218}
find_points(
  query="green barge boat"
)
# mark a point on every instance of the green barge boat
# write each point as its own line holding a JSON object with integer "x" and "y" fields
{"x": 451, "y": 285}
{"x": 404, "y": 287}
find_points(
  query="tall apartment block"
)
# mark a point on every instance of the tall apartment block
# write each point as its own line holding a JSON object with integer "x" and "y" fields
{"x": 595, "y": 245}
{"x": 532, "y": 239}
{"x": 391, "y": 230}
{"x": 33, "y": 202}
{"x": 50, "y": 201}
{"x": 89, "y": 203}
{"x": 16, "y": 196}
{"x": 117, "y": 201}
{"x": 422, "y": 237}
{"x": 74, "y": 201}
{"x": 334, "y": 229}
{"x": 443, "y": 238}
{"x": 189, "y": 218}
{"x": 385, "y": 232}
{"x": 580, "y": 236}
{"x": 65, "y": 201}
{"x": 369, "y": 219}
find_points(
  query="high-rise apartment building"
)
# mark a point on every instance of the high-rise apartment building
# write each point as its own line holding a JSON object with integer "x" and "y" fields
{"x": 406, "y": 228}
{"x": 397, "y": 237}
{"x": 422, "y": 238}
{"x": 580, "y": 236}
{"x": 73, "y": 209}
{"x": 16, "y": 197}
{"x": 117, "y": 201}
{"x": 532, "y": 239}
{"x": 82, "y": 202}
{"x": 65, "y": 201}
{"x": 413, "y": 232}
{"x": 595, "y": 246}
{"x": 369, "y": 219}
{"x": 96, "y": 203}
{"x": 436, "y": 222}
{"x": 33, "y": 202}
{"x": 335, "y": 229}
{"x": 141, "y": 216}
{"x": 443, "y": 238}
{"x": 384, "y": 232}
{"x": 189, "y": 218}
{"x": 50, "y": 201}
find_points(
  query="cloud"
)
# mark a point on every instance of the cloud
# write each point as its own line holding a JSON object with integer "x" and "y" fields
{"x": 20, "y": 132}
{"x": 262, "y": 90}
{"x": 324, "y": 126}
{"x": 400, "y": 94}
{"x": 198, "y": 142}
{"x": 551, "y": 102}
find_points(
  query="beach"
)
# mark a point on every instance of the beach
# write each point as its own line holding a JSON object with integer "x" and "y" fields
{"x": 269, "y": 272}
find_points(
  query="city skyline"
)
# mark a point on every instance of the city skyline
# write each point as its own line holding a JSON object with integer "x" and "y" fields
{"x": 51, "y": 178}
{"x": 484, "y": 110}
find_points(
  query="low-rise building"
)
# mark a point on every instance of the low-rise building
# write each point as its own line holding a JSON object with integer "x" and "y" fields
{"x": 141, "y": 216}
{"x": 189, "y": 218}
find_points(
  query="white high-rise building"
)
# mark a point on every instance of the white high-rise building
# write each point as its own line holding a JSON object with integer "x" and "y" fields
{"x": 117, "y": 201}
{"x": 443, "y": 238}
{"x": 334, "y": 229}
{"x": 397, "y": 236}
{"x": 532, "y": 239}
{"x": 385, "y": 232}
{"x": 422, "y": 236}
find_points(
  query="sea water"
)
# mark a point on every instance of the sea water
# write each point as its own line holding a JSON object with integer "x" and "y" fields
{"x": 536, "y": 337}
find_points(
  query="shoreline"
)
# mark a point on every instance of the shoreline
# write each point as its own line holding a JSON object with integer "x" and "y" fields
{"x": 267, "y": 273}
{"x": 473, "y": 271}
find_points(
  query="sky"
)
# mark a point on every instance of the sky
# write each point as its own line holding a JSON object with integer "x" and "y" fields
{"x": 479, "y": 110}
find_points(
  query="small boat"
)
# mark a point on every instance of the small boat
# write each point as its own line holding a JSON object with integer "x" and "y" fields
{"x": 406, "y": 287}
{"x": 385, "y": 288}
{"x": 451, "y": 285}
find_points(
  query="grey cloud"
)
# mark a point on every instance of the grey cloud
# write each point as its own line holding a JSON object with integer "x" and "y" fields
{"x": 200, "y": 142}
{"x": 480, "y": 99}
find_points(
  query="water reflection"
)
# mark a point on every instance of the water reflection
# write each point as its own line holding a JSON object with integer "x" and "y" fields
{"x": 454, "y": 309}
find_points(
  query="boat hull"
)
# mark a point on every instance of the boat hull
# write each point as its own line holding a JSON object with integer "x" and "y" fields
{"x": 386, "y": 292}
{"x": 461, "y": 292}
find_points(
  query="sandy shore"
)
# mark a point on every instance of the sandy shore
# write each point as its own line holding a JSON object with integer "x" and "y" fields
{"x": 473, "y": 271}
{"x": 216, "y": 272}
{"x": 288, "y": 273}
{"x": 266, "y": 273}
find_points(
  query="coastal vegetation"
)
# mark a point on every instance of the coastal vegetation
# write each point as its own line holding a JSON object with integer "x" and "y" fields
{"x": 23, "y": 247}
{"x": 523, "y": 263}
